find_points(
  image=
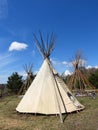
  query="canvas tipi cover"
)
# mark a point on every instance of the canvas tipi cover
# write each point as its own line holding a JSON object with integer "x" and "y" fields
{"x": 48, "y": 94}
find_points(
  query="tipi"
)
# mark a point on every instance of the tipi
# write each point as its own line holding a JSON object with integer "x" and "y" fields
{"x": 29, "y": 78}
{"x": 78, "y": 81}
{"x": 48, "y": 94}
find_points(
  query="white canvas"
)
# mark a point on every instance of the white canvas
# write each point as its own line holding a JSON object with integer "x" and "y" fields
{"x": 48, "y": 94}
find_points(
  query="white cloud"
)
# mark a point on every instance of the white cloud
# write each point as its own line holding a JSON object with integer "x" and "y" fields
{"x": 96, "y": 66}
{"x": 89, "y": 67}
{"x": 17, "y": 46}
{"x": 67, "y": 72}
{"x": 64, "y": 63}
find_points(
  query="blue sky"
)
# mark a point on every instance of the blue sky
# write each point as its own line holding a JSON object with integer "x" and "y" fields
{"x": 74, "y": 22}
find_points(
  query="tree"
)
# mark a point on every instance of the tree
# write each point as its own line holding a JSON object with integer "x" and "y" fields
{"x": 14, "y": 83}
{"x": 94, "y": 79}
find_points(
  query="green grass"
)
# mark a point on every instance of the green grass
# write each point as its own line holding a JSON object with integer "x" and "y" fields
{"x": 84, "y": 120}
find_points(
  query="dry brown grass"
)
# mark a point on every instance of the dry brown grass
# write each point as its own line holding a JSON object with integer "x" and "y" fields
{"x": 84, "y": 120}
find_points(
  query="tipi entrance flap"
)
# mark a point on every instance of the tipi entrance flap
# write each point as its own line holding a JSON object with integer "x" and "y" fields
{"x": 69, "y": 96}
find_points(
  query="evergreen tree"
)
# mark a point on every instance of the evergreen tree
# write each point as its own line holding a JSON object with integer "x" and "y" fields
{"x": 94, "y": 79}
{"x": 14, "y": 83}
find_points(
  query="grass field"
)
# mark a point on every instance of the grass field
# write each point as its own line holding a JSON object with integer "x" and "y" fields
{"x": 84, "y": 120}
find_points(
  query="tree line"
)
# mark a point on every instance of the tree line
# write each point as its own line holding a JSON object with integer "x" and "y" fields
{"x": 15, "y": 81}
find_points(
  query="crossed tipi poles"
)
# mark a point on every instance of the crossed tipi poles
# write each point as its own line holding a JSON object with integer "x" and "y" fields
{"x": 48, "y": 94}
{"x": 78, "y": 80}
{"x": 29, "y": 77}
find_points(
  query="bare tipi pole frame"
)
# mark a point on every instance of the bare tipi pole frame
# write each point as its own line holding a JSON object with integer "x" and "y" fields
{"x": 28, "y": 80}
{"x": 45, "y": 50}
{"x": 78, "y": 76}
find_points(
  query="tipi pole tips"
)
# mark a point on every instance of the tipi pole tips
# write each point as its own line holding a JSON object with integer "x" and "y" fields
{"x": 45, "y": 46}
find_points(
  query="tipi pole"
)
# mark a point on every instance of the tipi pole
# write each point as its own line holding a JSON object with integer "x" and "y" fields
{"x": 61, "y": 118}
{"x": 56, "y": 84}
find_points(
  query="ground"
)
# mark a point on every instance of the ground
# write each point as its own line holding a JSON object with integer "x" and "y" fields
{"x": 84, "y": 120}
